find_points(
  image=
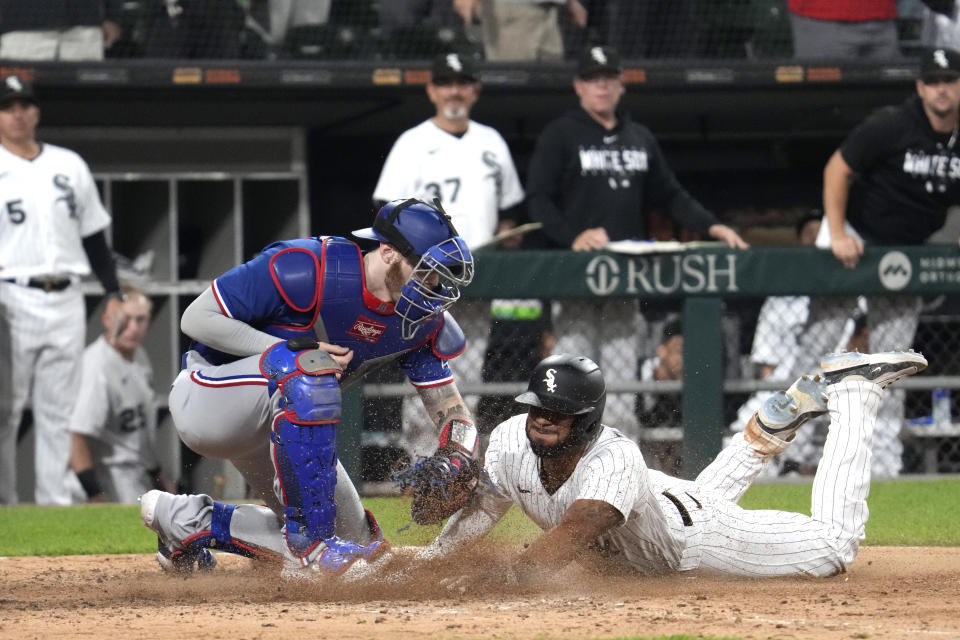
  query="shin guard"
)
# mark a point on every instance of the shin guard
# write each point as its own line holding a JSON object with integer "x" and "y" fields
{"x": 305, "y": 441}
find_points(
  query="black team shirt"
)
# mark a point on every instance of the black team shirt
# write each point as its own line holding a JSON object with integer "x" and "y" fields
{"x": 907, "y": 175}
{"x": 583, "y": 176}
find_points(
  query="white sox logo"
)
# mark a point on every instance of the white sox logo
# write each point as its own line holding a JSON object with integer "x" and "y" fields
{"x": 366, "y": 329}
{"x": 598, "y": 55}
{"x": 551, "y": 380}
{"x": 14, "y": 84}
{"x": 453, "y": 61}
{"x": 940, "y": 59}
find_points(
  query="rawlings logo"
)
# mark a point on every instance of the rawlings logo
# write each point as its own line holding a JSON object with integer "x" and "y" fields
{"x": 551, "y": 380}
{"x": 367, "y": 329}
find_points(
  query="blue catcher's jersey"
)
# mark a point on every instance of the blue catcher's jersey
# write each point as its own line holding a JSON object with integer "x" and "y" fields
{"x": 296, "y": 286}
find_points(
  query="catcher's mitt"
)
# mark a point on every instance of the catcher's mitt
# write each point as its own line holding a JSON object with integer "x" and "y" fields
{"x": 442, "y": 485}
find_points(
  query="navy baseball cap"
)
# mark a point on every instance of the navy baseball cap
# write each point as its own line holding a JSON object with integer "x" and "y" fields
{"x": 940, "y": 63}
{"x": 14, "y": 88}
{"x": 452, "y": 66}
{"x": 412, "y": 226}
{"x": 595, "y": 61}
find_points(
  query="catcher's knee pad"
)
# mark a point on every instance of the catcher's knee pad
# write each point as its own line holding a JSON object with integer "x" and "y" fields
{"x": 305, "y": 458}
{"x": 307, "y": 380}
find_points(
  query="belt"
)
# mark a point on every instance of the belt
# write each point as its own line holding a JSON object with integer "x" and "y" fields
{"x": 47, "y": 284}
{"x": 684, "y": 514}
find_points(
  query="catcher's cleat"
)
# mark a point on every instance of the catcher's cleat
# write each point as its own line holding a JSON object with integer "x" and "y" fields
{"x": 880, "y": 368}
{"x": 786, "y": 411}
{"x": 182, "y": 561}
{"x": 170, "y": 559}
{"x": 330, "y": 558}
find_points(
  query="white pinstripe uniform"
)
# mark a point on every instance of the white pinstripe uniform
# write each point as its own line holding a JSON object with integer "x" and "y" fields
{"x": 699, "y": 524}
{"x": 475, "y": 178}
{"x": 117, "y": 408}
{"x": 48, "y": 205}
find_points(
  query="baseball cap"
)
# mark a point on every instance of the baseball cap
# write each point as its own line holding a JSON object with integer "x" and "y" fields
{"x": 597, "y": 60}
{"x": 452, "y": 66}
{"x": 940, "y": 62}
{"x": 13, "y": 88}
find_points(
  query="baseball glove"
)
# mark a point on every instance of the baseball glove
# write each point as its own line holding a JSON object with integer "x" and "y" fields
{"x": 442, "y": 485}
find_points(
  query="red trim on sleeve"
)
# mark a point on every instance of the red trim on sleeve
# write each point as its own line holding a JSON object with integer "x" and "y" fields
{"x": 220, "y": 303}
{"x": 430, "y": 385}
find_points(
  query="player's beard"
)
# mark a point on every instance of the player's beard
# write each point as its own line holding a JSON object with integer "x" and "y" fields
{"x": 455, "y": 111}
{"x": 554, "y": 450}
{"x": 394, "y": 281}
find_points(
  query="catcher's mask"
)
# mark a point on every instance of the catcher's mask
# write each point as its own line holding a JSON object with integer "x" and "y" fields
{"x": 571, "y": 386}
{"x": 425, "y": 236}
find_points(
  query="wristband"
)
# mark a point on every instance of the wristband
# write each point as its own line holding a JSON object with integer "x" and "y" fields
{"x": 118, "y": 295}
{"x": 88, "y": 480}
{"x": 460, "y": 434}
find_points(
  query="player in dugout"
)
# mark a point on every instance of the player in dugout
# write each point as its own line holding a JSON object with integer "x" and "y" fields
{"x": 587, "y": 487}
{"x": 275, "y": 340}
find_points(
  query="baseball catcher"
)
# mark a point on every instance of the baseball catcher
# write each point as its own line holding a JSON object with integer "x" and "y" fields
{"x": 275, "y": 341}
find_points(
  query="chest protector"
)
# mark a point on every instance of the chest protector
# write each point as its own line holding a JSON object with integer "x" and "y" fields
{"x": 348, "y": 315}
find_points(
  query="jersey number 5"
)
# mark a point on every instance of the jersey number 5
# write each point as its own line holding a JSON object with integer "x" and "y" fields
{"x": 15, "y": 211}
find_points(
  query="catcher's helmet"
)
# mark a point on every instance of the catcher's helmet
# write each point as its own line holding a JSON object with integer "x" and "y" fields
{"x": 412, "y": 226}
{"x": 572, "y": 386}
{"x": 425, "y": 236}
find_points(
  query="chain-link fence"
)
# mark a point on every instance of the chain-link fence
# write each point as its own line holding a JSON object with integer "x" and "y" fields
{"x": 768, "y": 341}
{"x": 415, "y": 29}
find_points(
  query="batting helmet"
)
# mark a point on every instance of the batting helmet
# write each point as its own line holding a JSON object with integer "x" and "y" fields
{"x": 572, "y": 386}
{"x": 412, "y": 226}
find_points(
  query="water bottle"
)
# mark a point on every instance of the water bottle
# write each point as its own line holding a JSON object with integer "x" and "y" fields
{"x": 941, "y": 408}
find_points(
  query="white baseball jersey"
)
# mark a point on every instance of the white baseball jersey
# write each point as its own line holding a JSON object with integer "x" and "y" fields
{"x": 473, "y": 175}
{"x": 117, "y": 406}
{"x": 48, "y": 205}
{"x": 677, "y": 525}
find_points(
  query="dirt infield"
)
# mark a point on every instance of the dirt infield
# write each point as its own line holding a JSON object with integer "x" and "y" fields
{"x": 890, "y": 593}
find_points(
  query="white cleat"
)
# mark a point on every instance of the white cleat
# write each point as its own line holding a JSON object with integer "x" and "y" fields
{"x": 880, "y": 368}
{"x": 786, "y": 411}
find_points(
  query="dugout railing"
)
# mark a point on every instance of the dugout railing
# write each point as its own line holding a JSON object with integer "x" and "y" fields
{"x": 703, "y": 284}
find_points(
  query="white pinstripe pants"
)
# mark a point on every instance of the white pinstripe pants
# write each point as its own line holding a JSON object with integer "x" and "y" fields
{"x": 41, "y": 344}
{"x": 725, "y": 538}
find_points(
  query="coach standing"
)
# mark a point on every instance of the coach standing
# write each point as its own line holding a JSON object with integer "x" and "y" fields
{"x": 593, "y": 174}
{"x": 468, "y": 166}
{"x": 51, "y": 232}
{"x": 890, "y": 183}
